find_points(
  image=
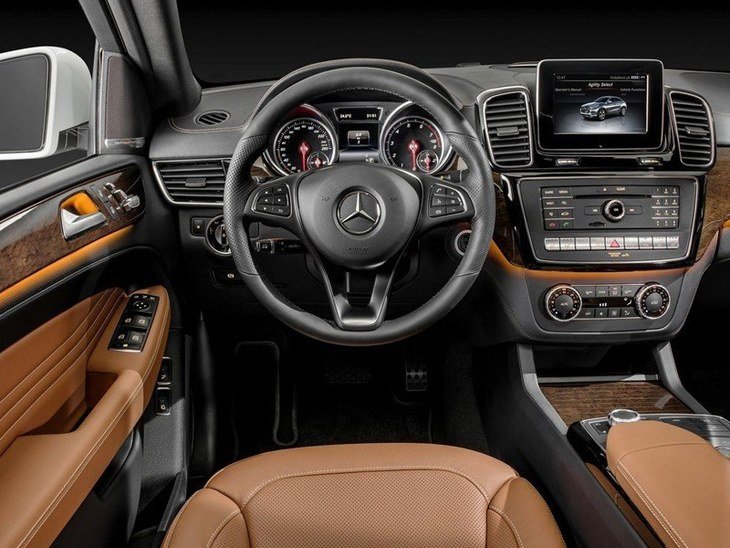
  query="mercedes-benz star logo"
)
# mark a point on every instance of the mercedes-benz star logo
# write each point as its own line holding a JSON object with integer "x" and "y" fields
{"x": 358, "y": 212}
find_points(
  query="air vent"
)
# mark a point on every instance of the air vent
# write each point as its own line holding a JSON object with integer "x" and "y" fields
{"x": 194, "y": 182}
{"x": 693, "y": 129}
{"x": 212, "y": 118}
{"x": 508, "y": 128}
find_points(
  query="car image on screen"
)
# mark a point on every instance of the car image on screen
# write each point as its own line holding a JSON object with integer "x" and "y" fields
{"x": 603, "y": 107}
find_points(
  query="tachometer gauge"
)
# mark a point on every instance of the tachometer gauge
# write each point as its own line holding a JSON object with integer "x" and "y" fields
{"x": 304, "y": 144}
{"x": 415, "y": 144}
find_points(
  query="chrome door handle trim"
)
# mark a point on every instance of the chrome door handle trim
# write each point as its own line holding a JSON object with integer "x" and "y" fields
{"x": 74, "y": 225}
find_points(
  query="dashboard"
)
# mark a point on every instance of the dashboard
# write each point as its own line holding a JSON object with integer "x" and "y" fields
{"x": 605, "y": 171}
{"x": 398, "y": 134}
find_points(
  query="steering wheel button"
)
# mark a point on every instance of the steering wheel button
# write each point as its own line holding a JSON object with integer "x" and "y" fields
{"x": 438, "y": 200}
{"x": 439, "y": 190}
{"x": 265, "y": 200}
{"x": 450, "y": 210}
{"x": 453, "y": 201}
{"x": 280, "y": 189}
{"x": 436, "y": 211}
{"x": 281, "y": 200}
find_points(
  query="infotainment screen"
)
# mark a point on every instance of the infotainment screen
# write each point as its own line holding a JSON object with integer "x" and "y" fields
{"x": 600, "y": 105}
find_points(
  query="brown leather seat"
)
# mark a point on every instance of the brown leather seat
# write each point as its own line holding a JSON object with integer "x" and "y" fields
{"x": 370, "y": 495}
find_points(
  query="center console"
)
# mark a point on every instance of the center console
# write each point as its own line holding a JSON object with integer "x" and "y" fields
{"x": 609, "y": 219}
{"x": 607, "y": 211}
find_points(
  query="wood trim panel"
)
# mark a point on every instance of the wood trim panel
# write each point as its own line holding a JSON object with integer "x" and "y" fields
{"x": 575, "y": 402}
{"x": 717, "y": 199}
{"x": 32, "y": 239}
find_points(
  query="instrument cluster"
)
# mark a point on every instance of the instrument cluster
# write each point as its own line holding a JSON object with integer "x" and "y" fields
{"x": 400, "y": 134}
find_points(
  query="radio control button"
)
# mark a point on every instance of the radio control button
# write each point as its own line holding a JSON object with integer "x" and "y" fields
{"x": 631, "y": 242}
{"x": 614, "y": 242}
{"x": 552, "y": 244}
{"x": 548, "y": 192}
{"x": 634, "y": 210}
{"x": 614, "y": 210}
{"x": 598, "y": 243}
{"x": 592, "y": 210}
{"x": 672, "y": 242}
{"x": 660, "y": 242}
{"x": 646, "y": 242}
{"x": 582, "y": 244}
{"x": 549, "y": 202}
{"x": 567, "y": 244}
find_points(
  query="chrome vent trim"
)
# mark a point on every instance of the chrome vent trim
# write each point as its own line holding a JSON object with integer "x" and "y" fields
{"x": 507, "y": 122}
{"x": 693, "y": 129}
{"x": 191, "y": 182}
{"x": 212, "y": 118}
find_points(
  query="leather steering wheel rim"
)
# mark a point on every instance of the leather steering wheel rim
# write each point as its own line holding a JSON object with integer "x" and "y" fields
{"x": 477, "y": 185}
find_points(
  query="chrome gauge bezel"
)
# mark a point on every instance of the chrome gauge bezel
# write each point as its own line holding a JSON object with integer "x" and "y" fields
{"x": 397, "y": 116}
{"x": 314, "y": 115}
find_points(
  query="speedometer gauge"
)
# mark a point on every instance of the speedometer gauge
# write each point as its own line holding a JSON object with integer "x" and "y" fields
{"x": 304, "y": 144}
{"x": 414, "y": 143}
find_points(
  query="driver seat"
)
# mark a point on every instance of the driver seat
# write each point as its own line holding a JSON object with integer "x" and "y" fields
{"x": 366, "y": 495}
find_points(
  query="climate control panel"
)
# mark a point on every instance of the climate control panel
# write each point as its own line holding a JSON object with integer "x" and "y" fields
{"x": 565, "y": 302}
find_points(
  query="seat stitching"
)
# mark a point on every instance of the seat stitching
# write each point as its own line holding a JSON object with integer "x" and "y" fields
{"x": 91, "y": 313}
{"x": 651, "y": 505}
{"x": 225, "y": 522}
{"x": 509, "y": 523}
{"x": 91, "y": 342}
{"x": 259, "y": 487}
{"x": 172, "y": 531}
{"x": 85, "y": 461}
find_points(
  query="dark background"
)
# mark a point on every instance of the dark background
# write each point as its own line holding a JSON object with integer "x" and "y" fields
{"x": 232, "y": 42}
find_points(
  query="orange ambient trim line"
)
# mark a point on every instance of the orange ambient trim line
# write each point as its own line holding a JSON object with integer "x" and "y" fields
{"x": 62, "y": 266}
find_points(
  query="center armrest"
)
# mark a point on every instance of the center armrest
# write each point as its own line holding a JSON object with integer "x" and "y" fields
{"x": 677, "y": 480}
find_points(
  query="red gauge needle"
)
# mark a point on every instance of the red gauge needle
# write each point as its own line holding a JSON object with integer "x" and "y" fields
{"x": 304, "y": 151}
{"x": 414, "y": 146}
{"x": 428, "y": 162}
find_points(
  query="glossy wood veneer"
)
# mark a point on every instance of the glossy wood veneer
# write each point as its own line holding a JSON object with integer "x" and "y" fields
{"x": 32, "y": 239}
{"x": 575, "y": 402}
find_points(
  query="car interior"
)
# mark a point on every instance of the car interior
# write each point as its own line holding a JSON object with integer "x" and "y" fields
{"x": 257, "y": 296}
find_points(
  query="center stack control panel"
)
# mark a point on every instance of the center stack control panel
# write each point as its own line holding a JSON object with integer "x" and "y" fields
{"x": 609, "y": 220}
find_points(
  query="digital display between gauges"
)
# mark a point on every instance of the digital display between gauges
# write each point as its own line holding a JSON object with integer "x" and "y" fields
{"x": 414, "y": 143}
{"x": 304, "y": 144}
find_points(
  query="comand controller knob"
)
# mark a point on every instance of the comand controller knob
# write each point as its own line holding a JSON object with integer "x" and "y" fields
{"x": 563, "y": 303}
{"x": 614, "y": 210}
{"x": 652, "y": 301}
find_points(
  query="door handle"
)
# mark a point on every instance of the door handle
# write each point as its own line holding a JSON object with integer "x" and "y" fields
{"x": 79, "y": 214}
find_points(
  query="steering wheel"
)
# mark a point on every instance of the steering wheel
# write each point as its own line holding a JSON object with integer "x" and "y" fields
{"x": 356, "y": 220}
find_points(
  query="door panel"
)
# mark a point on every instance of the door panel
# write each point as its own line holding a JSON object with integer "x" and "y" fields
{"x": 33, "y": 239}
{"x": 67, "y": 401}
{"x": 67, "y": 404}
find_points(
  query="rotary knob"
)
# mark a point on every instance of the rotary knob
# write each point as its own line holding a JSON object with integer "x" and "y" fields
{"x": 614, "y": 210}
{"x": 563, "y": 303}
{"x": 652, "y": 301}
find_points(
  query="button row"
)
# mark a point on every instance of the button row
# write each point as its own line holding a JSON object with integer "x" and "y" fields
{"x": 611, "y": 313}
{"x": 274, "y": 200}
{"x": 444, "y": 201}
{"x": 606, "y": 291}
{"x": 611, "y": 243}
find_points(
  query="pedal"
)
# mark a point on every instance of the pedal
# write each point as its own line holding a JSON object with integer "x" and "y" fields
{"x": 416, "y": 378}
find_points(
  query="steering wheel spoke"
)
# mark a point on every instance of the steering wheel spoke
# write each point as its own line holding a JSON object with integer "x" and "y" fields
{"x": 274, "y": 204}
{"x": 442, "y": 203}
{"x": 359, "y": 298}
